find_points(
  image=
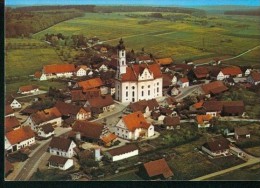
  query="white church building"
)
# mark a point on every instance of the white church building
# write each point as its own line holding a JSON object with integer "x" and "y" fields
{"x": 136, "y": 81}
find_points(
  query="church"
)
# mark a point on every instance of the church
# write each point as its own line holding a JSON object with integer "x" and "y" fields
{"x": 136, "y": 82}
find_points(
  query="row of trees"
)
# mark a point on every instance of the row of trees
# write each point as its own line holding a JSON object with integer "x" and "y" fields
{"x": 255, "y": 12}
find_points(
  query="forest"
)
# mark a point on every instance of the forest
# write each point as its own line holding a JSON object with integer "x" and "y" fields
{"x": 23, "y": 22}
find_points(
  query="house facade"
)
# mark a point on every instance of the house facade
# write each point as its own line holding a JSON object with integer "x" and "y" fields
{"x": 183, "y": 82}
{"x": 59, "y": 70}
{"x": 134, "y": 126}
{"x": 122, "y": 152}
{"x": 59, "y": 162}
{"x": 19, "y": 138}
{"x": 62, "y": 147}
{"x": 29, "y": 89}
{"x": 137, "y": 81}
{"x": 46, "y": 131}
{"x": 216, "y": 147}
{"x": 15, "y": 104}
{"x": 51, "y": 115}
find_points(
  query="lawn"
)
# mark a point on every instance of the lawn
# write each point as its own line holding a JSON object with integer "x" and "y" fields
{"x": 178, "y": 39}
{"x": 255, "y": 151}
{"x": 24, "y": 62}
{"x": 44, "y": 85}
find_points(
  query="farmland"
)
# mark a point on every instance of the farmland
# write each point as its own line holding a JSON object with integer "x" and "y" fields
{"x": 190, "y": 38}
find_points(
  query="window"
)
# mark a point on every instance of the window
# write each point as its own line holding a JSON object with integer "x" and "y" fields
{"x": 133, "y": 93}
{"x": 126, "y": 87}
{"x": 157, "y": 89}
{"x": 123, "y": 54}
{"x": 148, "y": 92}
{"x": 123, "y": 62}
{"x": 142, "y": 93}
{"x": 126, "y": 94}
{"x": 142, "y": 87}
{"x": 133, "y": 87}
{"x": 149, "y": 86}
{"x": 157, "y": 83}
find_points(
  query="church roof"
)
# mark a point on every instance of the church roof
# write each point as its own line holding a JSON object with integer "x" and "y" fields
{"x": 134, "y": 71}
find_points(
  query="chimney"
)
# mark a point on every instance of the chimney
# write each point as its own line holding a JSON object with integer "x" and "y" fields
{"x": 97, "y": 154}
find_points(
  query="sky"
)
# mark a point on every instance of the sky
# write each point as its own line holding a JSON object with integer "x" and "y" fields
{"x": 136, "y": 2}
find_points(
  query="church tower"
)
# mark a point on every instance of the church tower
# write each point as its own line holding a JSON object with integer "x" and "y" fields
{"x": 121, "y": 64}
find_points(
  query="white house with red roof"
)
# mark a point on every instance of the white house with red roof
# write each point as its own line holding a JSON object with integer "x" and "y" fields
{"x": 134, "y": 126}
{"x": 28, "y": 89}
{"x": 59, "y": 70}
{"x": 183, "y": 82}
{"x": 254, "y": 78}
{"x": 19, "y": 138}
{"x": 136, "y": 81}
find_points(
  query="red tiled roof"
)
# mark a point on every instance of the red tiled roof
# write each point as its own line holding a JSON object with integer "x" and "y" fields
{"x": 37, "y": 74}
{"x": 11, "y": 122}
{"x": 202, "y": 118}
{"x": 101, "y": 101}
{"x": 233, "y": 71}
{"x": 233, "y": 107}
{"x": 184, "y": 80}
{"x": 122, "y": 150}
{"x": 171, "y": 121}
{"x": 255, "y": 76}
{"x": 158, "y": 167}
{"x": 45, "y": 115}
{"x": 77, "y": 95}
{"x": 108, "y": 138}
{"x": 214, "y": 87}
{"x": 198, "y": 104}
{"x": 217, "y": 145}
{"x": 133, "y": 71}
{"x": 57, "y": 160}
{"x": 90, "y": 84}
{"x": 47, "y": 128}
{"x": 67, "y": 109}
{"x": 142, "y": 104}
{"x": 213, "y": 106}
{"x": 19, "y": 135}
{"x": 28, "y": 88}
{"x": 164, "y": 61}
{"x": 88, "y": 129}
{"x": 60, "y": 143}
{"x": 201, "y": 72}
{"x": 58, "y": 68}
{"x": 135, "y": 120}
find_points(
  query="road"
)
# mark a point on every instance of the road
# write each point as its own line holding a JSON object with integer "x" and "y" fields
{"x": 186, "y": 91}
{"x": 31, "y": 164}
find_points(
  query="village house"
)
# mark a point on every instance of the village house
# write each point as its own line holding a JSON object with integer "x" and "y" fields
{"x": 76, "y": 112}
{"x": 171, "y": 123}
{"x": 196, "y": 106}
{"x": 100, "y": 67}
{"x": 198, "y": 73}
{"x": 226, "y": 72}
{"x": 156, "y": 170}
{"x": 11, "y": 123}
{"x": 51, "y": 115}
{"x": 174, "y": 91}
{"x": 134, "y": 126}
{"x": 59, "y": 162}
{"x": 213, "y": 108}
{"x": 217, "y": 147}
{"x": 19, "y": 138}
{"x": 62, "y": 147}
{"x": 241, "y": 133}
{"x": 58, "y": 70}
{"x": 142, "y": 58}
{"x": 246, "y": 70}
{"x": 8, "y": 111}
{"x": 203, "y": 121}
{"x": 181, "y": 68}
{"x": 122, "y": 152}
{"x": 40, "y": 76}
{"x": 81, "y": 70}
{"x": 46, "y": 131}
{"x": 170, "y": 102}
{"x": 254, "y": 78}
{"x": 164, "y": 61}
{"x": 89, "y": 84}
{"x": 183, "y": 82}
{"x": 169, "y": 80}
{"x": 137, "y": 81}
{"x": 14, "y": 103}
{"x": 91, "y": 132}
{"x": 145, "y": 106}
{"x": 29, "y": 89}
{"x": 233, "y": 108}
{"x": 100, "y": 104}
{"x": 212, "y": 88}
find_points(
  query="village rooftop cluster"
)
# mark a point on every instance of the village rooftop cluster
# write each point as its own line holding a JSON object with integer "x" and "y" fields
{"x": 109, "y": 108}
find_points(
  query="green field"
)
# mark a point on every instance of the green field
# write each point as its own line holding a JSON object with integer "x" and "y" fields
{"x": 128, "y": 176}
{"x": 178, "y": 39}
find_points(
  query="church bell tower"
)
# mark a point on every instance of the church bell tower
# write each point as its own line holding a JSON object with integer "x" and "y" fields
{"x": 121, "y": 64}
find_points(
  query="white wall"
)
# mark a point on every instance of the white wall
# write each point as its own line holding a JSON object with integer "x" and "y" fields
{"x": 125, "y": 155}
